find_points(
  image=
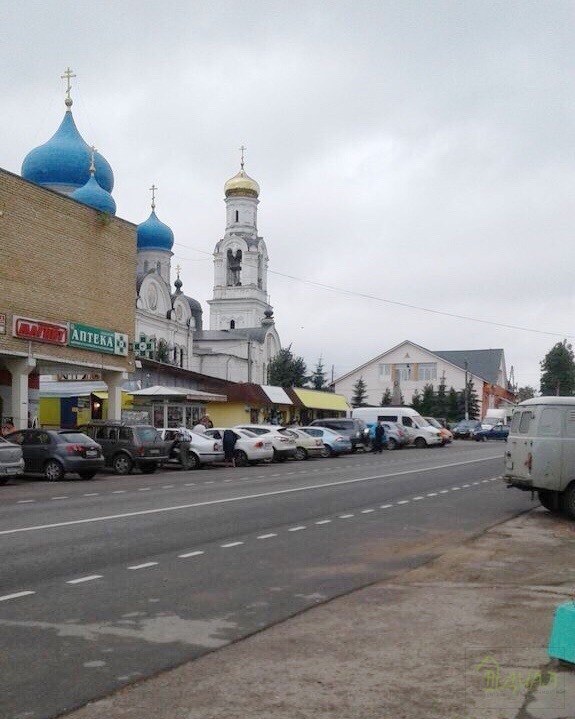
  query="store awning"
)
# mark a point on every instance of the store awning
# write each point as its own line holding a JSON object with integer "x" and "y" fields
{"x": 181, "y": 393}
{"x": 277, "y": 395}
{"x": 314, "y": 399}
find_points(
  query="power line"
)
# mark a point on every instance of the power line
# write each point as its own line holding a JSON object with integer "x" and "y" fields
{"x": 353, "y": 293}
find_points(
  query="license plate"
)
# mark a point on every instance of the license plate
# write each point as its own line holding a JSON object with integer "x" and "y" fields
{"x": 91, "y": 453}
{"x": 154, "y": 451}
{"x": 9, "y": 470}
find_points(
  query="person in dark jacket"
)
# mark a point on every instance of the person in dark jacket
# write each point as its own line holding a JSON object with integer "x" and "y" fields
{"x": 229, "y": 440}
{"x": 378, "y": 437}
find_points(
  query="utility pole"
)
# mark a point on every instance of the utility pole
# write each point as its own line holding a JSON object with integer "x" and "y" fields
{"x": 249, "y": 361}
{"x": 466, "y": 396}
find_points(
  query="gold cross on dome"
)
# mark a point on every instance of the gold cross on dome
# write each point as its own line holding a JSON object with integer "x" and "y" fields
{"x": 242, "y": 150}
{"x": 153, "y": 189}
{"x": 68, "y": 75}
{"x": 92, "y": 155}
{"x": 178, "y": 270}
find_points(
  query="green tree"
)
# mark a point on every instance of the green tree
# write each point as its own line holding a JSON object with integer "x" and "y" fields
{"x": 558, "y": 371}
{"x": 386, "y": 398}
{"x": 441, "y": 408}
{"x": 416, "y": 401}
{"x": 427, "y": 401}
{"x": 524, "y": 393}
{"x": 317, "y": 379}
{"x": 285, "y": 370}
{"x": 162, "y": 352}
{"x": 359, "y": 394}
{"x": 453, "y": 405}
{"x": 472, "y": 401}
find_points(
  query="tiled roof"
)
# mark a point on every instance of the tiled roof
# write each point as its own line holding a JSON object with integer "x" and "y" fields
{"x": 481, "y": 363}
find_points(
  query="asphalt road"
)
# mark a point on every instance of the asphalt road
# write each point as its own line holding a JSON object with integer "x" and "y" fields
{"x": 106, "y": 582}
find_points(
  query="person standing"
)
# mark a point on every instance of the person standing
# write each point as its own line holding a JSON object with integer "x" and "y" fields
{"x": 378, "y": 437}
{"x": 229, "y": 440}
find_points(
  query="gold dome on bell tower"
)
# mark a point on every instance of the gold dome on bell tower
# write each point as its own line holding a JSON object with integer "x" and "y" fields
{"x": 242, "y": 183}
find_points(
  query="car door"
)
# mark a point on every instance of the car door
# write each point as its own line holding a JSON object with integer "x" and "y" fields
{"x": 36, "y": 448}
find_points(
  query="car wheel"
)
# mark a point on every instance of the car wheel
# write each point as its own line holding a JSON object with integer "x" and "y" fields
{"x": 88, "y": 475}
{"x": 548, "y": 499}
{"x": 53, "y": 471}
{"x": 300, "y": 453}
{"x": 567, "y": 501}
{"x": 241, "y": 458}
{"x": 191, "y": 461}
{"x": 391, "y": 444}
{"x": 277, "y": 457}
{"x": 148, "y": 467}
{"x": 3, "y": 480}
{"x": 122, "y": 464}
{"x": 420, "y": 443}
{"x": 325, "y": 451}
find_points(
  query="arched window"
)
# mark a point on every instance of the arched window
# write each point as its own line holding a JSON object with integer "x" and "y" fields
{"x": 232, "y": 324}
{"x": 182, "y": 357}
{"x": 159, "y": 267}
{"x": 237, "y": 215}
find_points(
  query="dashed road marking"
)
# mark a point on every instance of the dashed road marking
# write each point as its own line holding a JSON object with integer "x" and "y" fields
{"x": 324, "y": 521}
{"x": 167, "y": 486}
{"x": 60, "y": 498}
{"x": 146, "y": 565}
{"x": 385, "y": 506}
{"x": 367, "y": 511}
{"x": 230, "y": 544}
{"x": 432, "y": 494}
{"x": 144, "y": 489}
{"x": 91, "y": 494}
{"x": 267, "y": 536}
{"x": 403, "y": 501}
{"x": 416, "y": 499}
{"x": 16, "y": 595}
{"x": 25, "y": 501}
{"x": 297, "y": 529}
{"x": 119, "y": 491}
{"x": 346, "y": 516}
{"x": 90, "y": 578}
{"x": 191, "y": 554}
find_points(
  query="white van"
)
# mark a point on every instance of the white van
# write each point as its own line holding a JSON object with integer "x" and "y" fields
{"x": 540, "y": 455}
{"x": 424, "y": 434}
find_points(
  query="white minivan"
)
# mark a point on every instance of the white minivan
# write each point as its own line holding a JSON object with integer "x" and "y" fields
{"x": 423, "y": 433}
{"x": 540, "y": 453}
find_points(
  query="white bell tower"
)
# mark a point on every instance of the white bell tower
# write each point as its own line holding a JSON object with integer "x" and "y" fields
{"x": 240, "y": 260}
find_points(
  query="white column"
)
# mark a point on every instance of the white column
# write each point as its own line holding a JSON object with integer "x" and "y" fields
{"x": 20, "y": 369}
{"x": 114, "y": 380}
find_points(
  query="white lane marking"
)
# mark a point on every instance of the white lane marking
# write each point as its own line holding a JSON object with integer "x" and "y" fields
{"x": 483, "y": 481}
{"x": 466, "y": 485}
{"x": 474, "y": 483}
{"x": 211, "y": 481}
{"x": 345, "y": 516}
{"x": 230, "y": 544}
{"x": 144, "y": 566}
{"x": 227, "y": 480}
{"x": 416, "y": 499}
{"x": 367, "y": 511}
{"x": 90, "y": 494}
{"x": 266, "y": 536}
{"x": 243, "y": 498}
{"x": 324, "y": 521}
{"x": 67, "y": 497}
{"x": 167, "y": 486}
{"x": 277, "y": 475}
{"x": 444, "y": 491}
{"x": 84, "y": 579}
{"x": 403, "y": 501}
{"x": 288, "y": 473}
{"x": 296, "y": 529}
{"x": 25, "y": 501}
{"x": 17, "y": 595}
{"x": 190, "y": 484}
{"x": 144, "y": 489}
{"x": 454, "y": 489}
{"x": 385, "y": 506}
{"x": 190, "y": 554}
{"x": 119, "y": 491}
{"x": 432, "y": 494}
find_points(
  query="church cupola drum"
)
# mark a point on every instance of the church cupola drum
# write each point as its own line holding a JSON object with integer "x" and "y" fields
{"x": 240, "y": 259}
{"x": 63, "y": 163}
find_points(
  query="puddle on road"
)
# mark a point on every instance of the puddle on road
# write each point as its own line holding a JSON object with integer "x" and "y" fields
{"x": 163, "y": 629}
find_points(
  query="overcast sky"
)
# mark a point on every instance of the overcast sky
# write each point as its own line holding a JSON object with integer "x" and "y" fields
{"x": 416, "y": 151}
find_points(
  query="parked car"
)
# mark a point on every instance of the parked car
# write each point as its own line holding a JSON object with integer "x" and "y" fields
{"x": 190, "y": 449}
{"x": 498, "y": 431}
{"x": 396, "y": 436}
{"x": 127, "y": 446}
{"x": 444, "y": 433}
{"x": 355, "y": 430}
{"x": 466, "y": 429}
{"x": 55, "y": 453}
{"x": 250, "y": 448}
{"x": 306, "y": 445}
{"x": 11, "y": 460}
{"x": 284, "y": 446}
{"x": 334, "y": 444}
{"x": 424, "y": 435}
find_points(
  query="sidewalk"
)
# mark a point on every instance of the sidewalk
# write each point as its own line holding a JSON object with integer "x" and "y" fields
{"x": 464, "y": 637}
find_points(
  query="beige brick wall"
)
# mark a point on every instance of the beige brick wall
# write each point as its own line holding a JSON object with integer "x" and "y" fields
{"x": 62, "y": 261}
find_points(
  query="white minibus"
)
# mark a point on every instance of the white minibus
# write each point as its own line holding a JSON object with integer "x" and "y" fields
{"x": 540, "y": 454}
{"x": 424, "y": 434}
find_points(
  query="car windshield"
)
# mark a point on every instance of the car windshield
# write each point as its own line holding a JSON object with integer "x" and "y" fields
{"x": 433, "y": 422}
{"x": 467, "y": 423}
{"x": 247, "y": 433}
{"x": 148, "y": 434}
{"x": 75, "y": 438}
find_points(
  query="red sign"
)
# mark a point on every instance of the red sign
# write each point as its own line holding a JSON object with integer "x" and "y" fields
{"x": 38, "y": 331}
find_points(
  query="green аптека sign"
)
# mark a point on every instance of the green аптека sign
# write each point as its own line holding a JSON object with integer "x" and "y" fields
{"x": 98, "y": 340}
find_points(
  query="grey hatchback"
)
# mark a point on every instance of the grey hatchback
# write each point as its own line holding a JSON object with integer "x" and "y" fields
{"x": 55, "y": 453}
{"x": 11, "y": 462}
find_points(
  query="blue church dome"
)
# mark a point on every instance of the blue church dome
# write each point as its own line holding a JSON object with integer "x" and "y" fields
{"x": 154, "y": 235}
{"x": 62, "y": 163}
{"x": 95, "y": 196}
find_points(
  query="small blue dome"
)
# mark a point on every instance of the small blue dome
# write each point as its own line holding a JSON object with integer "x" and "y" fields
{"x": 62, "y": 163}
{"x": 154, "y": 235}
{"x": 95, "y": 196}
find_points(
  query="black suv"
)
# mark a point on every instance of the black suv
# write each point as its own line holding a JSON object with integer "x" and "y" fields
{"x": 128, "y": 446}
{"x": 355, "y": 429}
